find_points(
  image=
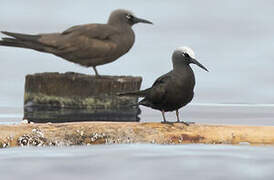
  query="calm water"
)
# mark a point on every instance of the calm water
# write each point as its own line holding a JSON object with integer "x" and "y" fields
{"x": 136, "y": 162}
{"x": 233, "y": 39}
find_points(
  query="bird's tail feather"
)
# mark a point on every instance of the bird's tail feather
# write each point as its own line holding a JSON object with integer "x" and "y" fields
{"x": 22, "y": 37}
{"x": 134, "y": 93}
{"x": 13, "y": 44}
{"x": 19, "y": 40}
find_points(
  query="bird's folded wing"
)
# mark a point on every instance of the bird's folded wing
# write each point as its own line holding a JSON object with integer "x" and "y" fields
{"x": 83, "y": 41}
{"x": 97, "y": 31}
{"x": 159, "y": 87}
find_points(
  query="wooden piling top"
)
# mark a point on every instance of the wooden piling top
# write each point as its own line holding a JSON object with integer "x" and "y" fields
{"x": 74, "y": 97}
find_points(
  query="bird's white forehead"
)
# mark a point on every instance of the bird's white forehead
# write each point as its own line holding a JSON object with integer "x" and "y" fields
{"x": 185, "y": 49}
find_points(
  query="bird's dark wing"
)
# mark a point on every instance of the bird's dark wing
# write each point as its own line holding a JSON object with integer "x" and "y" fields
{"x": 159, "y": 87}
{"x": 69, "y": 40}
{"x": 96, "y": 31}
{"x": 84, "y": 42}
{"x": 154, "y": 96}
{"x": 156, "y": 91}
{"x": 87, "y": 45}
{"x": 162, "y": 80}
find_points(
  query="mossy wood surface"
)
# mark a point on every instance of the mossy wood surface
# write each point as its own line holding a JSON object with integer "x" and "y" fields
{"x": 88, "y": 133}
{"x": 57, "y": 97}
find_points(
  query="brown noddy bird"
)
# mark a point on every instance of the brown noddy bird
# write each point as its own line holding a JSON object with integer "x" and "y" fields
{"x": 89, "y": 45}
{"x": 174, "y": 89}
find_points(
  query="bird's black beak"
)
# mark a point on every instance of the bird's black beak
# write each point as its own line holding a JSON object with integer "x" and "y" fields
{"x": 139, "y": 20}
{"x": 194, "y": 61}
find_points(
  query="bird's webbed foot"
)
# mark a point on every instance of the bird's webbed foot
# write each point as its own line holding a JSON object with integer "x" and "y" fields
{"x": 178, "y": 120}
{"x": 166, "y": 122}
{"x": 186, "y": 123}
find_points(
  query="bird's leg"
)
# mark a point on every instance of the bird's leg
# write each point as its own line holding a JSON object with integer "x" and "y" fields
{"x": 164, "y": 118}
{"x": 178, "y": 120}
{"x": 95, "y": 70}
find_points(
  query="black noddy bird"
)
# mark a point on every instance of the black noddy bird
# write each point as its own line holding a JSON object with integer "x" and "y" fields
{"x": 174, "y": 89}
{"x": 89, "y": 45}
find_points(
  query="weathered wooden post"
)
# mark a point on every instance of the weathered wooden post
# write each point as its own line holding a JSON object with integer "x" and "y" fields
{"x": 67, "y": 97}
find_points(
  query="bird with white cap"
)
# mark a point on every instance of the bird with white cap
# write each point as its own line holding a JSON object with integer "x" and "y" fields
{"x": 173, "y": 90}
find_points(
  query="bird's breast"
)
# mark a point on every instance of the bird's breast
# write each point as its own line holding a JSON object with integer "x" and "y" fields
{"x": 179, "y": 92}
{"x": 125, "y": 41}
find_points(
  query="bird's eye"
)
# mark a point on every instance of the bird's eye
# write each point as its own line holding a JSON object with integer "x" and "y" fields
{"x": 186, "y": 55}
{"x": 128, "y": 16}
